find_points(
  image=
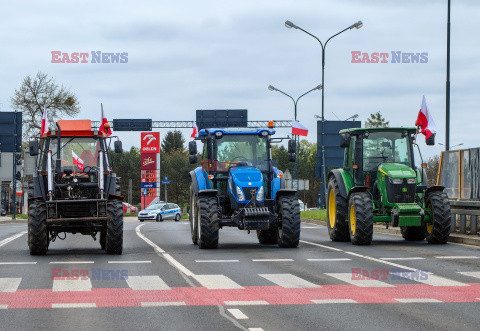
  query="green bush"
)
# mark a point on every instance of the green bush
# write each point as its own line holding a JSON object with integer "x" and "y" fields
{"x": 320, "y": 215}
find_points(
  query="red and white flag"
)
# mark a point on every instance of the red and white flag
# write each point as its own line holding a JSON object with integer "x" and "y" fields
{"x": 299, "y": 129}
{"x": 78, "y": 162}
{"x": 425, "y": 121}
{"x": 44, "y": 129}
{"x": 194, "y": 133}
{"x": 104, "y": 125}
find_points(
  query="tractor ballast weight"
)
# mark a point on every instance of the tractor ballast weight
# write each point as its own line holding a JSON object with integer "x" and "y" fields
{"x": 74, "y": 189}
{"x": 238, "y": 186}
{"x": 380, "y": 183}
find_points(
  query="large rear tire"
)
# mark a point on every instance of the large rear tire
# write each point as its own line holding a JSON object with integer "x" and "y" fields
{"x": 267, "y": 237}
{"x": 413, "y": 233}
{"x": 37, "y": 228}
{"x": 289, "y": 211}
{"x": 336, "y": 212}
{"x": 192, "y": 216}
{"x": 360, "y": 218}
{"x": 438, "y": 229}
{"x": 207, "y": 222}
{"x": 114, "y": 236}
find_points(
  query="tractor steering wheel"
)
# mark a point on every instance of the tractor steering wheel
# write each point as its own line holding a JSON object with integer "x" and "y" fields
{"x": 242, "y": 159}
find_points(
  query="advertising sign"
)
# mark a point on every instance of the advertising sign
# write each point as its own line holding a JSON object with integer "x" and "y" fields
{"x": 148, "y": 161}
{"x": 150, "y": 142}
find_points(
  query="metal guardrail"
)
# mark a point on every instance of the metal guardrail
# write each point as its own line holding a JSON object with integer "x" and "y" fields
{"x": 465, "y": 216}
{"x": 190, "y": 124}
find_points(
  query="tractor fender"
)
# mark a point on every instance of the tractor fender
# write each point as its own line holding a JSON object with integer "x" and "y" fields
{"x": 337, "y": 174}
{"x": 207, "y": 193}
{"x": 435, "y": 188}
{"x": 284, "y": 192}
{"x": 357, "y": 189}
{"x": 199, "y": 180}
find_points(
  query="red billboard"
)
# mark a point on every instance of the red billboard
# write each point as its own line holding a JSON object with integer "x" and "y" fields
{"x": 148, "y": 161}
{"x": 150, "y": 142}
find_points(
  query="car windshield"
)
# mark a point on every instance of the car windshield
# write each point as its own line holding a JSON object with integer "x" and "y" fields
{"x": 85, "y": 148}
{"x": 155, "y": 207}
{"x": 385, "y": 147}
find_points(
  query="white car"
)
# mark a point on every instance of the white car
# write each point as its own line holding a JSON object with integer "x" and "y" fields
{"x": 160, "y": 212}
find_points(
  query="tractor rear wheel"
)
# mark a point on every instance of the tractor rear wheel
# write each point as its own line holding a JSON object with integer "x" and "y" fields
{"x": 289, "y": 210}
{"x": 192, "y": 216}
{"x": 438, "y": 229}
{"x": 360, "y": 218}
{"x": 267, "y": 237}
{"x": 114, "y": 236}
{"x": 336, "y": 212}
{"x": 207, "y": 224}
{"x": 37, "y": 228}
{"x": 413, "y": 233}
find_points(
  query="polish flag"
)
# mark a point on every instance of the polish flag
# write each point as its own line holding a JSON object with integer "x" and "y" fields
{"x": 104, "y": 125}
{"x": 78, "y": 162}
{"x": 425, "y": 121}
{"x": 44, "y": 129}
{"x": 194, "y": 133}
{"x": 299, "y": 129}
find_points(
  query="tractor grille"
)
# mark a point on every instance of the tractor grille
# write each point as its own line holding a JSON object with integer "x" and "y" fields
{"x": 400, "y": 193}
{"x": 249, "y": 192}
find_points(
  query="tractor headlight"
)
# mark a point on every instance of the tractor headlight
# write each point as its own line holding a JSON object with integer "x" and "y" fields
{"x": 411, "y": 181}
{"x": 396, "y": 180}
{"x": 240, "y": 195}
{"x": 260, "y": 194}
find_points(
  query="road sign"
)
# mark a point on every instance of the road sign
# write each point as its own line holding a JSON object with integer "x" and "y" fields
{"x": 303, "y": 184}
{"x": 144, "y": 192}
{"x": 165, "y": 182}
{"x": 150, "y": 142}
{"x": 132, "y": 125}
{"x": 8, "y": 131}
{"x": 221, "y": 118}
{"x": 149, "y": 185}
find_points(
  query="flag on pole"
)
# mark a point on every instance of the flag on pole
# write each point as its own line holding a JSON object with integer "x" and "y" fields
{"x": 299, "y": 129}
{"x": 425, "y": 121}
{"x": 44, "y": 129}
{"x": 104, "y": 125}
{"x": 78, "y": 162}
{"x": 194, "y": 133}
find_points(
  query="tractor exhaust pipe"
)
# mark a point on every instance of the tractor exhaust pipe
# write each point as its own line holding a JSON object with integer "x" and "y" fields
{"x": 100, "y": 174}
{"x": 49, "y": 175}
{"x": 58, "y": 164}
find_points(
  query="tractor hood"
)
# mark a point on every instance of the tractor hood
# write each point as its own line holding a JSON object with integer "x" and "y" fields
{"x": 246, "y": 176}
{"x": 397, "y": 170}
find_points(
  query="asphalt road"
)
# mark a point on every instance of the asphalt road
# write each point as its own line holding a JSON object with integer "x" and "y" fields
{"x": 173, "y": 285}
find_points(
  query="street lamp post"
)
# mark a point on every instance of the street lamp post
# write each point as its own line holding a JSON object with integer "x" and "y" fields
{"x": 290, "y": 25}
{"x": 297, "y": 139}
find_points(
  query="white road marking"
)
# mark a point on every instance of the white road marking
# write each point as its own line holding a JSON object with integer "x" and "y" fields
{"x": 288, "y": 281}
{"x": 72, "y": 262}
{"x": 9, "y": 284}
{"x": 329, "y": 260}
{"x": 255, "y": 329}
{"x": 9, "y": 239}
{"x": 15, "y": 263}
{"x": 246, "y": 303}
{"x": 457, "y": 257}
{"x": 417, "y": 300}
{"x": 121, "y": 262}
{"x": 323, "y": 246}
{"x": 475, "y": 274}
{"x": 148, "y": 241}
{"x": 272, "y": 260}
{"x": 217, "y": 282}
{"x": 62, "y": 285}
{"x": 3, "y": 306}
{"x": 310, "y": 227}
{"x": 369, "y": 282}
{"x": 401, "y": 258}
{"x": 151, "y": 283}
{"x": 163, "y": 304}
{"x": 215, "y": 261}
{"x": 432, "y": 280}
{"x": 325, "y": 301}
{"x": 237, "y": 313}
{"x": 74, "y": 305}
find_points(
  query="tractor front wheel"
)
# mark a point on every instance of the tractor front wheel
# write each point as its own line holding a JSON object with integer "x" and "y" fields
{"x": 336, "y": 212}
{"x": 438, "y": 228}
{"x": 207, "y": 222}
{"x": 267, "y": 237}
{"x": 114, "y": 236}
{"x": 360, "y": 218}
{"x": 37, "y": 228}
{"x": 289, "y": 211}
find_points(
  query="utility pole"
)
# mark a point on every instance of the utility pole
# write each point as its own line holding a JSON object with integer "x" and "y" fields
{"x": 14, "y": 157}
{"x": 447, "y": 104}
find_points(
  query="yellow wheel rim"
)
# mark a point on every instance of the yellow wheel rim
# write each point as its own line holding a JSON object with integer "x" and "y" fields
{"x": 429, "y": 226}
{"x": 331, "y": 208}
{"x": 353, "y": 219}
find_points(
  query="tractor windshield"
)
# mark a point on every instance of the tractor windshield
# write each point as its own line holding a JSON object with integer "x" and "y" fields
{"x": 77, "y": 152}
{"x": 385, "y": 147}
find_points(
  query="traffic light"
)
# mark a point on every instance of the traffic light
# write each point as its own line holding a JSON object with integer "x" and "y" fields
{"x": 18, "y": 159}
{"x": 18, "y": 175}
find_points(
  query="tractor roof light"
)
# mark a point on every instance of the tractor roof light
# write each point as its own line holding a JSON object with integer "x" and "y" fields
{"x": 264, "y": 133}
{"x": 219, "y": 134}
{"x": 271, "y": 124}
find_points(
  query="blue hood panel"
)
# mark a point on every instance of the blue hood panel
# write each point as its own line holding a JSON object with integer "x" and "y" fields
{"x": 246, "y": 176}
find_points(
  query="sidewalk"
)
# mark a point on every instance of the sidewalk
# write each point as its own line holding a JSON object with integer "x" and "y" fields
{"x": 454, "y": 237}
{"x": 8, "y": 220}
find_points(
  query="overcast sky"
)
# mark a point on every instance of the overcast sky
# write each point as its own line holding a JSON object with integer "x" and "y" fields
{"x": 199, "y": 54}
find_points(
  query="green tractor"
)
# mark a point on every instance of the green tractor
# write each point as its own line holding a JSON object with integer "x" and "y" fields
{"x": 380, "y": 183}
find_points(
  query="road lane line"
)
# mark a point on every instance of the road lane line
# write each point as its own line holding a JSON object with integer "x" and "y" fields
{"x": 246, "y": 303}
{"x": 475, "y": 274}
{"x": 401, "y": 258}
{"x": 178, "y": 265}
{"x": 72, "y": 262}
{"x": 288, "y": 281}
{"x": 272, "y": 260}
{"x": 430, "y": 279}
{"x": 255, "y": 329}
{"x": 417, "y": 300}
{"x": 457, "y": 257}
{"x": 162, "y": 304}
{"x": 310, "y": 227}
{"x": 369, "y": 282}
{"x": 216, "y": 261}
{"x": 146, "y": 283}
{"x": 120, "y": 262}
{"x": 74, "y": 305}
{"x": 326, "y": 301}
{"x": 15, "y": 263}
{"x": 148, "y": 241}
{"x": 80, "y": 284}
{"x": 9, "y": 284}
{"x": 237, "y": 313}
{"x": 329, "y": 260}
{"x": 9, "y": 239}
{"x": 323, "y": 246}
{"x": 217, "y": 282}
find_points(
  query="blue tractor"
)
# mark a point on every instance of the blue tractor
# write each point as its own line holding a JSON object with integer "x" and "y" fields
{"x": 237, "y": 185}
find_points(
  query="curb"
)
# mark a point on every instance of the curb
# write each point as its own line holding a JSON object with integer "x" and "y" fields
{"x": 454, "y": 237}
{"x": 16, "y": 221}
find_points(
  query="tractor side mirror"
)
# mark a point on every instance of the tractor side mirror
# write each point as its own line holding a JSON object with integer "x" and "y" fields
{"x": 192, "y": 148}
{"x": 345, "y": 140}
{"x": 117, "y": 145}
{"x": 192, "y": 159}
{"x": 33, "y": 148}
{"x": 292, "y": 146}
{"x": 431, "y": 140}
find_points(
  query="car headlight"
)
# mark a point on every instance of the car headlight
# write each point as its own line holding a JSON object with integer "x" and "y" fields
{"x": 260, "y": 194}
{"x": 411, "y": 180}
{"x": 396, "y": 180}
{"x": 240, "y": 195}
